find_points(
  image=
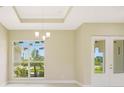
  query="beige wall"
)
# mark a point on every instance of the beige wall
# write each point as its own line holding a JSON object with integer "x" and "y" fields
{"x": 83, "y": 46}
{"x": 3, "y": 55}
{"x": 68, "y": 53}
{"x": 59, "y": 53}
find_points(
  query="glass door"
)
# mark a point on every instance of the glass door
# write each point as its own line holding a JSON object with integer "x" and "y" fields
{"x": 108, "y": 61}
{"x": 117, "y": 61}
{"x": 118, "y": 51}
{"x": 100, "y": 61}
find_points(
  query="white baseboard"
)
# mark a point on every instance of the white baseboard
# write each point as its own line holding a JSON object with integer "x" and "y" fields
{"x": 42, "y": 81}
{"x": 82, "y": 85}
{"x": 2, "y": 84}
{"x": 78, "y": 83}
{"x": 47, "y": 81}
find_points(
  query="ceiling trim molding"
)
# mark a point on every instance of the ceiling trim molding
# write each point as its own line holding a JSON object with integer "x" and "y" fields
{"x": 80, "y": 26}
{"x": 41, "y": 20}
{"x": 69, "y": 10}
{"x": 14, "y": 8}
{"x": 3, "y": 26}
{"x": 40, "y": 30}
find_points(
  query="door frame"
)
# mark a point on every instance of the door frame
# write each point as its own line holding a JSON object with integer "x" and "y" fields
{"x": 112, "y": 79}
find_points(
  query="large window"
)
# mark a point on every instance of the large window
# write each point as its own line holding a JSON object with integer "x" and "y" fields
{"x": 28, "y": 59}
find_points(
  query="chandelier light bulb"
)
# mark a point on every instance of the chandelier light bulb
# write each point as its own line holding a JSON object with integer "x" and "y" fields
{"x": 37, "y": 34}
{"x": 43, "y": 37}
{"x": 47, "y": 34}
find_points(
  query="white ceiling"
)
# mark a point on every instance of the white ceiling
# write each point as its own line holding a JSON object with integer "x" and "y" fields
{"x": 73, "y": 16}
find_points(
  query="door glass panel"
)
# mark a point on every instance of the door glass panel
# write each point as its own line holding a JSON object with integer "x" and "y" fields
{"x": 118, "y": 56}
{"x": 99, "y": 56}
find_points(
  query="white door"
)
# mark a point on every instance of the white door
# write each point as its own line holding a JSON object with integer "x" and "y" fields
{"x": 107, "y": 61}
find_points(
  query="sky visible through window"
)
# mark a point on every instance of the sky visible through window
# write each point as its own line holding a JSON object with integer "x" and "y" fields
{"x": 29, "y": 46}
{"x": 98, "y": 53}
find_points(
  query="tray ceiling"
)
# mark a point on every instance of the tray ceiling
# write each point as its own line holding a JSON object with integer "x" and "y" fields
{"x": 57, "y": 17}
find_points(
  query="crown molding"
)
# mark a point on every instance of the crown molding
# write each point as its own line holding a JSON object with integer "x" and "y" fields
{"x": 40, "y": 30}
{"x": 3, "y": 26}
{"x": 42, "y": 20}
{"x": 68, "y": 12}
{"x": 17, "y": 14}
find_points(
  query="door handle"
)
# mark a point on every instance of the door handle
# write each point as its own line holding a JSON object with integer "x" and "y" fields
{"x": 110, "y": 66}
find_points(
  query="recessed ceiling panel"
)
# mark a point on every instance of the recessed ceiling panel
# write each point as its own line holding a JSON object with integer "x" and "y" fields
{"x": 35, "y": 12}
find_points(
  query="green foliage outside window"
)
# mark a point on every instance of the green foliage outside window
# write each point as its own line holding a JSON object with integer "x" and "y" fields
{"x": 98, "y": 64}
{"x": 36, "y": 68}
